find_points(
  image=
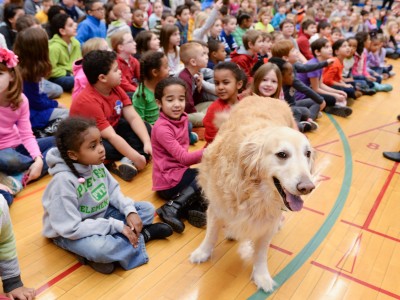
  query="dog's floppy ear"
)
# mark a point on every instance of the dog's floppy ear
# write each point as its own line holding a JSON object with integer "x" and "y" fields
{"x": 250, "y": 152}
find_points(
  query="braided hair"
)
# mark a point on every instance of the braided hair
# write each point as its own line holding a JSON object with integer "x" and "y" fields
{"x": 69, "y": 137}
{"x": 151, "y": 60}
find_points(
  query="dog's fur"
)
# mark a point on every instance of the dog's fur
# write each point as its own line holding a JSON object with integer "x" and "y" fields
{"x": 255, "y": 144}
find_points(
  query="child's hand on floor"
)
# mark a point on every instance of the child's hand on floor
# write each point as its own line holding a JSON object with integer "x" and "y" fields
{"x": 22, "y": 293}
{"x": 131, "y": 235}
{"x": 134, "y": 222}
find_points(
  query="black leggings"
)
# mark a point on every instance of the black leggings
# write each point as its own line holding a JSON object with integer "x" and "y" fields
{"x": 124, "y": 129}
{"x": 188, "y": 179}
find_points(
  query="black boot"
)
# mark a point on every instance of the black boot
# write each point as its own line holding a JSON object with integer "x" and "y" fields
{"x": 156, "y": 231}
{"x": 172, "y": 212}
{"x": 197, "y": 212}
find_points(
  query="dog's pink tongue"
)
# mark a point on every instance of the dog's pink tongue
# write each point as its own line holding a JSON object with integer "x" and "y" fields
{"x": 295, "y": 202}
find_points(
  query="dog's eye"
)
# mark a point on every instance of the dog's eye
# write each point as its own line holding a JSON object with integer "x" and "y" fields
{"x": 282, "y": 155}
{"x": 308, "y": 154}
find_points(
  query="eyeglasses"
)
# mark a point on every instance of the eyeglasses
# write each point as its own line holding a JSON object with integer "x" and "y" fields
{"x": 98, "y": 9}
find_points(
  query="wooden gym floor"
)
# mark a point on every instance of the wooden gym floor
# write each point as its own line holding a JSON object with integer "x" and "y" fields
{"x": 345, "y": 244}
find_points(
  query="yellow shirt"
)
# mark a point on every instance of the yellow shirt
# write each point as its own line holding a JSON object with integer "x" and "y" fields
{"x": 42, "y": 17}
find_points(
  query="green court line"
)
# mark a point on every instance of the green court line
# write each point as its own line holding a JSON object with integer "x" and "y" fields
{"x": 326, "y": 227}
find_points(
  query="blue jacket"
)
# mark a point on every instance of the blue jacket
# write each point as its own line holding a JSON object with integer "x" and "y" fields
{"x": 90, "y": 28}
{"x": 40, "y": 106}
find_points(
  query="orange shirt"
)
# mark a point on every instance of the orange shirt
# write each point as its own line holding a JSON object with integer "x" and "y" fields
{"x": 333, "y": 73}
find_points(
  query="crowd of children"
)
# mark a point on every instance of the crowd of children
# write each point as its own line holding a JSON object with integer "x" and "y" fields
{"x": 147, "y": 72}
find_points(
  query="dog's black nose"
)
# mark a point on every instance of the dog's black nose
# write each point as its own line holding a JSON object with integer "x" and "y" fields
{"x": 305, "y": 187}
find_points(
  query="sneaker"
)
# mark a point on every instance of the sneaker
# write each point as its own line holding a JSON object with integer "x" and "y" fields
{"x": 156, "y": 231}
{"x": 319, "y": 116}
{"x": 305, "y": 126}
{"x": 379, "y": 87}
{"x": 368, "y": 92}
{"x": 392, "y": 73}
{"x": 395, "y": 156}
{"x": 339, "y": 111}
{"x": 193, "y": 138}
{"x": 314, "y": 125}
{"x": 104, "y": 268}
{"x": 12, "y": 183}
{"x": 126, "y": 170}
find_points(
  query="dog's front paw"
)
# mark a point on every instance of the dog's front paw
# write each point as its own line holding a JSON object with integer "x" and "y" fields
{"x": 199, "y": 255}
{"x": 264, "y": 282}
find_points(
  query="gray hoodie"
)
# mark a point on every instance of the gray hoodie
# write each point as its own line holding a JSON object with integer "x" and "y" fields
{"x": 76, "y": 210}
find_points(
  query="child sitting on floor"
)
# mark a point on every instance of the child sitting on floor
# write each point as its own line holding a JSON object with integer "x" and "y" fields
{"x": 229, "y": 81}
{"x": 124, "y": 45}
{"x": 194, "y": 57}
{"x": 173, "y": 179}
{"x": 154, "y": 68}
{"x": 125, "y": 136}
{"x": 64, "y": 49}
{"x": 84, "y": 209}
{"x": 9, "y": 266}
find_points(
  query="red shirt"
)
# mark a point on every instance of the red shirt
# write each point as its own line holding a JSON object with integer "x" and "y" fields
{"x": 105, "y": 110}
{"x": 333, "y": 73}
{"x": 245, "y": 62}
{"x": 208, "y": 121}
{"x": 304, "y": 45}
{"x": 130, "y": 73}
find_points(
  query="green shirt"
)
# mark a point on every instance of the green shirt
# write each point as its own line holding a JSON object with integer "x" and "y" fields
{"x": 145, "y": 104}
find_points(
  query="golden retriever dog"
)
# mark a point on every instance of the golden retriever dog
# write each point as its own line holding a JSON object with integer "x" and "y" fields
{"x": 257, "y": 166}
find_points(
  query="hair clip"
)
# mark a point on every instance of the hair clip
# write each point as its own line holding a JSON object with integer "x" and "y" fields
{"x": 8, "y": 58}
{"x": 81, "y": 180}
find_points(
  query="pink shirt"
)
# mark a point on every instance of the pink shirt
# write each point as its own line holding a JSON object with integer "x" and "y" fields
{"x": 170, "y": 142}
{"x": 16, "y": 129}
{"x": 80, "y": 80}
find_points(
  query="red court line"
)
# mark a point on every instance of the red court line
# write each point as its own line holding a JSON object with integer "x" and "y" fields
{"x": 374, "y": 166}
{"x": 354, "y": 279}
{"x": 314, "y": 210}
{"x": 371, "y": 129}
{"x": 327, "y": 152}
{"x": 355, "y": 134}
{"x": 386, "y": 236}
{"x": 58, "y": 278}
{"x": 380, "y": 197}
{"x": 281, "y": 249}
{"x": 346, "y": 255}
{"x": 29, "y": 194}
{"x": 327, "y": 143}
{"x": 390, "y": 131}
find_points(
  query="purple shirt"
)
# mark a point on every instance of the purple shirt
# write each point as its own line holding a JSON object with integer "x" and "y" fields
{"x": 305, "y": 78}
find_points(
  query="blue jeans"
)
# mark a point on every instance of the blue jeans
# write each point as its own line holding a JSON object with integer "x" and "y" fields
{"x": 66, "y": 82}
{"x": 113, "y": 247}
{"x": 18, "y": 160}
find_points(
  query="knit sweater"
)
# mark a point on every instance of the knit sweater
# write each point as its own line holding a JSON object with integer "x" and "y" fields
{"x": 170, "y": 142}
